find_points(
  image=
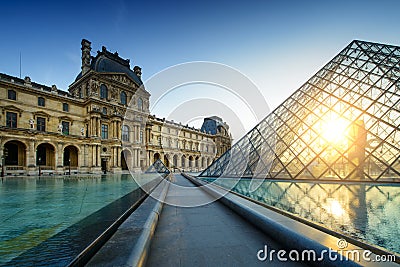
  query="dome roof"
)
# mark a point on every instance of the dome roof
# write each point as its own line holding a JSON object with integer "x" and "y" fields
{"x": 106, "y": 61}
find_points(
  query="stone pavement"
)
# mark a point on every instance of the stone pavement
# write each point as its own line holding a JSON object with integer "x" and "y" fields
{"x": 208, "y": 235}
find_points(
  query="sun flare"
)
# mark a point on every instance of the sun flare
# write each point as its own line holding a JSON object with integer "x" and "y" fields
{"x": 334, "y": 131}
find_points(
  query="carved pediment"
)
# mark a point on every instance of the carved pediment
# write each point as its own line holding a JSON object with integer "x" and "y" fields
{"x": 41, "y": 114}
{"x": 65, "y": 118}
{"x": 12, "y": 108}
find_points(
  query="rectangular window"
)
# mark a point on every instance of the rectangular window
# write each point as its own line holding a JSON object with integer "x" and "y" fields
{"x": 41, "y": 124}
{"x": 65, "y": 127}
{"x": 11, "y": 119}
{"x": 41, "y": 102}
{"x": 12, "y": 95}
{"x": 65, "y": 107}
{"x": 104, "y": 131}
{"x": 141, "y": 137}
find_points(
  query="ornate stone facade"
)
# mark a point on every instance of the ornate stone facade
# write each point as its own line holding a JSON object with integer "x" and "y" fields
{"x": 89, "y": 130}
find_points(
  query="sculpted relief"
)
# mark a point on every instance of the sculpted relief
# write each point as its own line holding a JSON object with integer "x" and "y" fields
{"x": 123, "y": 79}
{"x": 94, "y": 87}
{"x": 114, "y": 92}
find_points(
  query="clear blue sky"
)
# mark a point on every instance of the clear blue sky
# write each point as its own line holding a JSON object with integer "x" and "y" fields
{"x": 277, "y": 44}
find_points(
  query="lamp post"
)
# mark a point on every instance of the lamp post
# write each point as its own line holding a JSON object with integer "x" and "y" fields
{"x": 39, "y": 162}
{"x": 69, "y": 166}
{"x": 3, "y": 160}
{"x": 2, "y": 166}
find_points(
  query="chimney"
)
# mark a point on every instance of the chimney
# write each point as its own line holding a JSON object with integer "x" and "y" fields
{"x": 86, "y": 48}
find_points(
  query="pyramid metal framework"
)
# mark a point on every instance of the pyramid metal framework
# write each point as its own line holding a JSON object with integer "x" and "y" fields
{"x": 158, "y": 167}
{"x": 342, "y": 124}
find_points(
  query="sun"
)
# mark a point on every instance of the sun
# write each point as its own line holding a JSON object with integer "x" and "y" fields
{"x": 334, "y": 131}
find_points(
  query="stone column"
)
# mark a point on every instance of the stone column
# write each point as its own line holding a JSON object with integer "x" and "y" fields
{"x": 138, "y": 158}
{"x": 31, "y": 158}
{"x": 115, "y": 123}
{"x": 92, "y": 127}
{"x": 31, "y": 154}
{"x": 99, "y": 127}
{"x": 111, "y": 129}
{"x": 119, "y": 132}
{"x": 134, "y": 158}
{"x": 131, "y": 134}
{"x": 113, "y": 160}
{"x": 118, "y": 156}
{"x": 59, "y": 159}
{"x": 98, "y": 162}
{"x": 85, "y": 156}
{"x": 94, "y": 155}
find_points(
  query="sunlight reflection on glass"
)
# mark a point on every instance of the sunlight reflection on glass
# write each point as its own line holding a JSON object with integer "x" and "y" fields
{"x": 334, "y": 207}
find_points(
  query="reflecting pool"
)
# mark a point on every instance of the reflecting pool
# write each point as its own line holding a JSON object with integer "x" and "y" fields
{"x": 368, "y": 212}
{"x": 38, "y": 216}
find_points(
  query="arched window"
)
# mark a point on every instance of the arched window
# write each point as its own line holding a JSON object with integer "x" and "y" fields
{"x": 123, "y": 98}
{"x": 41, "y": 101}
{"x": 140, "y": 104}
{"x": 125, "y": 133}
{"x": 103, "y": 92}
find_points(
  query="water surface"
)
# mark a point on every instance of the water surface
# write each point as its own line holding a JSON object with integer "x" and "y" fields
{"x": 368, "y": 212}
{"x": 40, "y": 216}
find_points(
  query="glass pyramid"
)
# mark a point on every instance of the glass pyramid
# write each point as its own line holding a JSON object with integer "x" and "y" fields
{"x": 158, "y": 167}
{"x": 342, "y": 124}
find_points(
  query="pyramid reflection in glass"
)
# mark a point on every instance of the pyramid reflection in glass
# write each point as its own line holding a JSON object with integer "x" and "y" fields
{"x": 158, "y": 167}
{"x": 342, "y": 124}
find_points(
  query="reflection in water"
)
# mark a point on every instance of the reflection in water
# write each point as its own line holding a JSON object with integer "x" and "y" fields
{"x": 34, "y": 211}
{"x": 364, "y": 211}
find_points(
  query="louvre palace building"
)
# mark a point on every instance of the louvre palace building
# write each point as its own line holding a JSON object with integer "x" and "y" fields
{"x": 102, "y": 124}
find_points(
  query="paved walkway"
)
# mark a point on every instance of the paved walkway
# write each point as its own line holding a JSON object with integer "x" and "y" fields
{"x": 209, "y": 235}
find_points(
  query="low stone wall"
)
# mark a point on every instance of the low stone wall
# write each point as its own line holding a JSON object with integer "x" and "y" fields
{"x": 130, "y": 244}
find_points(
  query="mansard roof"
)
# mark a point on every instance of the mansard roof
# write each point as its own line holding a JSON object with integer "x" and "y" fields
{"x": 105, "y": 61}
